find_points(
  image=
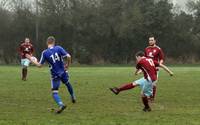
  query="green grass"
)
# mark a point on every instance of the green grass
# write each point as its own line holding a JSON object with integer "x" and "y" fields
{"x": 29, "y": 103}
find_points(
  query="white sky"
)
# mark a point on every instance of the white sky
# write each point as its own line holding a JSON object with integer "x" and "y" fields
{"x": 180, "y": 3}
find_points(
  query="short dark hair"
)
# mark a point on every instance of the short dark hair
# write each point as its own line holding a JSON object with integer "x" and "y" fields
{"x": 152, "y": 36}
{"x": 51, "y": 39}
{"x": 139, "y": 53}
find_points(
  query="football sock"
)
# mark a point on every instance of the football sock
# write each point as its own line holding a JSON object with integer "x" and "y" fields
{"x": 70, "y": 89}
{"x": 145, "y": 102}
{"x": 126, "y": 87}
{"x": 57, "y": 98}
{"x": 24, "y": 73}
{"x": 154, "y": 91}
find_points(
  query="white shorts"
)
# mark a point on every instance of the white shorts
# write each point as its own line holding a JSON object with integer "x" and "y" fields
{"x": 146, "y": 86}
{"x": 25, "y": 62}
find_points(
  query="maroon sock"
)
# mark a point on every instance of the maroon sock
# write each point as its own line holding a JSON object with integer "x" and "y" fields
{"x": 154, "y": 91}
{"x": 126, "y": 87}
{"x": 24, "y": 73}
{"x": 145, "y": 101}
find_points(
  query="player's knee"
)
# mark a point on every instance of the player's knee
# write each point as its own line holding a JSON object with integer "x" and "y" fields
{"x": 143, "y": 95}
{"x": 154, "y": 83}
{"x": 24, "y": 67}
{"x": 54, "y": 90}
{"x": 66, "y": 82}
{"x": 135, "y": 84}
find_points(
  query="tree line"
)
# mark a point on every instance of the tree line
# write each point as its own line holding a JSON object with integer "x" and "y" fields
{"x": 101, "y": 31}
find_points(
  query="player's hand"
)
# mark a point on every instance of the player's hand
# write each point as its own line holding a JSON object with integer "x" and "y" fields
{"x": 138, "y": 72}
{"x": 171, "y": 74}
{"x": 28, "y": 56}
{"x": 22, "y": 54}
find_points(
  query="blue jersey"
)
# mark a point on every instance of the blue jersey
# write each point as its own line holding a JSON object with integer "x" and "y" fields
{"x": 54, "y": 56}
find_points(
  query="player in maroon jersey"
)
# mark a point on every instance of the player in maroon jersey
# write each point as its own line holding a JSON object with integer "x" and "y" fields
{"x": 25, "y": 48}
{"x": 154, "y": 52}
{"x": 148, "y": 67}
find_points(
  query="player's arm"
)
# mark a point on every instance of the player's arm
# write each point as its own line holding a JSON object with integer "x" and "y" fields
{"x": 166, "y": 69}
{"x": 20, "y": 51}
{"x": 67, "y": 58}
{"x": 33, "y": 61}
{"x": 145, "y": 52}
{"x": 68, "y": 61}
{"x": 161, "y": 61}
{"x": 161, "y": 57}
{"x": 138, "y": 71}
{"x": 36, "y": 63}
{"x": 32, "y": 49}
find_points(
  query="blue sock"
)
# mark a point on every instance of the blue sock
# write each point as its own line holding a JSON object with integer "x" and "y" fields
{"x": 57, "y": 98}
{"x": 70, "y": 89}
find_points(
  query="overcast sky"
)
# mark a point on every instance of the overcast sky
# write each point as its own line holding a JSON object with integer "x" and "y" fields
{"x": 180, "y": 3}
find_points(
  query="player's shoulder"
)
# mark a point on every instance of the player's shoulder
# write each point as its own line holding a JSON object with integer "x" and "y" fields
{"x": 147, "y": 47}
{"x": 142, "y": 60}
{"x": 58, "y": 47}
{"x": 30, "y": 44}
{"x": 44, "y": 51}
{"x": 22, "y": 43}
{"x": 141, "y": 63}
{"x": 157, "y": 47}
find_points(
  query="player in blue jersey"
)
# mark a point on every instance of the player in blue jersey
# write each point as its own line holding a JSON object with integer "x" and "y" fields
{"x": 55, "y": 55}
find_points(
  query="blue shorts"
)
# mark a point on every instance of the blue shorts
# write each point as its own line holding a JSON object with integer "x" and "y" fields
{"x": 146, "y": 86}
{"x": 25, "y": 62}
{"x": 55, "y": 81}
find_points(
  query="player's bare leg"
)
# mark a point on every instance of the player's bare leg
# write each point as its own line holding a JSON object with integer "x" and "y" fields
{"x": 152, "y": 98}
{"x": 124, "y": 87}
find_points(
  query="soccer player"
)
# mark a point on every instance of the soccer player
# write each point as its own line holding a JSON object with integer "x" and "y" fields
{"x": 148, "y": 67}
{"x": 55, "y": 55}
{"x": 25, "y": 48}
{"x": 154, "y": 52}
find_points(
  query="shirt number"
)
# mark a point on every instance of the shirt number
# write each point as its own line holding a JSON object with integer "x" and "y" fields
{"x": 55, "y": 57}
{"x": 150, "y": 62}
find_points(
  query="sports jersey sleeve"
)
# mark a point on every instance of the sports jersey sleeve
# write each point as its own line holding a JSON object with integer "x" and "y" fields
{"x": 20, "y": 49}
{"x": 138, "y": 66}
{"x": 145, "y": 52}
{"x": 161, "y": 55}
{"x": 32, "y": 49}
{"x": 156, "y": 63}
{"x": 63, "y": 52}
{"x": 42, "y": 58}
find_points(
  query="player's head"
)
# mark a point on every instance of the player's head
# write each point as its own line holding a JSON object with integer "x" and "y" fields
{"x": 51, "y": 40}
{"x": 27, "y": 40}
{"x": 139, "y": 55}
{"x": 152, "y": 40}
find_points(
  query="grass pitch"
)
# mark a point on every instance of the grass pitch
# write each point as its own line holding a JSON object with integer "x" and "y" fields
{"x": 29, "y": 103}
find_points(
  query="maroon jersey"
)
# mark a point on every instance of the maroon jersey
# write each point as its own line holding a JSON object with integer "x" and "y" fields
{"x": 25, "y": 48}
{"x": 155, "y": 53}
{"x": 148, "y": 67}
